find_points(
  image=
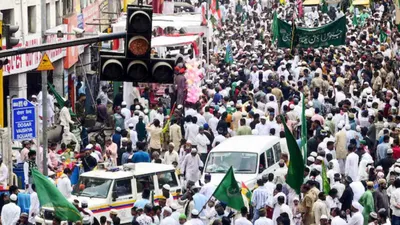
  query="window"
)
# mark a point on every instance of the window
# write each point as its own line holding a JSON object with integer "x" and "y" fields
{"x": 58, "y": 14}
{"x": 277, "y": 151}
{"x": 144, "y": 182}
{"x": 8, "y": 16}
{"x": 270, "y": 157}
{"x": 242, "y": 162}
{"x": 32, "y": 19}
{"x": 48, "y": 17}
{"x": 262, "y": 161}
{"x": 92, "y": 187}
{"x": 123, "y": 187}
{"x": 167, "y": 178}
{"x": 68, "y": 7}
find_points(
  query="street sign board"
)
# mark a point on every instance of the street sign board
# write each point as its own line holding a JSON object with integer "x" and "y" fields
{"x": 23, "y": 119}
{"x": 45, "y": 64}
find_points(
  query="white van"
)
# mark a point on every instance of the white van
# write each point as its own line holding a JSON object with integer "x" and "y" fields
{"x": 118, "y": 188}
{"x": 245, "y": 154}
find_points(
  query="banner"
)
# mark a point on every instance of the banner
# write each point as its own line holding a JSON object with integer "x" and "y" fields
{"x": 330, "y": 34}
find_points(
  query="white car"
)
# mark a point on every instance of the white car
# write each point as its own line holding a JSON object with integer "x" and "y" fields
{"x": 251, "y": 156}
{"x": 118, "y": 189}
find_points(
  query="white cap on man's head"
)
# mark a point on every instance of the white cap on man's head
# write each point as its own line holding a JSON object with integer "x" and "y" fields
{"x": 13, "y": 197}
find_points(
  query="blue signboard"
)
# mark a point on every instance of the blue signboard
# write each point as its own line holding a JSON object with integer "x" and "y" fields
{"x": 23, "y": 119}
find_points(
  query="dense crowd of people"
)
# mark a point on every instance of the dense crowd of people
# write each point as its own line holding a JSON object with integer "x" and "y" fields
{"x": 351, "y": 101}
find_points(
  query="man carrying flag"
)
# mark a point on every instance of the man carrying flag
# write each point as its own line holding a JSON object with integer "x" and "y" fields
{"x": 50, "y": 196}
{"x": 295, "y": 175}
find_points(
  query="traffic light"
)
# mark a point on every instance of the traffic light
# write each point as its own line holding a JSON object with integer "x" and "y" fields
{"x": 135, "y": 64}
{"x": 8, "y": 32}
{"x": 138, "y": 32}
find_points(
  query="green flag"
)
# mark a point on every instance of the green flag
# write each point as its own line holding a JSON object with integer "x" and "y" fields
{"x": 275, "y": 28}
{"x": 295, "y": 175}
{"x": 325, "y": 181}
{"x": 50, "y": 196}
{"x": 355, "y": 21}
{"x": 303, "y": 130}
{"x": 228, "y": 191}
{"x": 324, "y": 7}
{"x": 382, "y": 36}
{"x": 333, "y": 33}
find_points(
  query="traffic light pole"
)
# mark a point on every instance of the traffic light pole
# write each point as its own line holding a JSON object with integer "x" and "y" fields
{"x": 44, "y": 93}
{"x": 1, "y": 77}
{"x": 62, "y": 44}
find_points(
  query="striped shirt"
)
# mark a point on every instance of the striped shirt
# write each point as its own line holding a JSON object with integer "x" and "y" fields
{"x": 261, "y": 198}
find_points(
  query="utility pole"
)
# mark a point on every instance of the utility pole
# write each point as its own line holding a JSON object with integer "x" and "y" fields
{"x": 44, "y": 90}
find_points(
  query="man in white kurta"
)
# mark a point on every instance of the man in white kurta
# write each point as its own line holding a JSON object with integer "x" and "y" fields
{"x": 208, "y": 188}
{"x": 190, "y": 166}
{"x": 34, "y": 208}
{"x": 168, "y": 219}
{"x": 64, "y": 184}
{"x": 356, "y": 218}
{"x": 3, "y": 174}
{"x": 10, "y": 212}
{"x": 65, "y": 116}
{"x": 280, "y": 208}
{"x": 202, "y": 141}
{"x": 351, "y": 166}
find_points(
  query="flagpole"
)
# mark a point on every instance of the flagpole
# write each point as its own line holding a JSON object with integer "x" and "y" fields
{"x": 208, "y": 40}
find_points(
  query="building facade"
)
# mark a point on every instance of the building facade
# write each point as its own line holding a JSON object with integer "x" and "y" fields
{"x": 20, "y": 77}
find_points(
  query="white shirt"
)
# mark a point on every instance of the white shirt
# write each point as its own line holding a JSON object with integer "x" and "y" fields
{"x": 191, "y": 133}
{"x": 134, "y": 138}
{"x": 170, "y": 157}
{"x": 394, "y": 200}
{"x": 358, "y": 190}
{"x": 195, "y": 221}
{"x": 263, "y": 129}
{"x": 338, "y": 221}
{"x": 356, "y": 219}
{"x": 213, "y": 123}
{"x": 202, "y": 142}
{"x": 34, "y": 207}
{"x": 169, "y": 221}
{"x": 219, "y": 138}
{"x": 64, "y": 186}
{"x": 65, "y": 117}
{"x": 10, "y": 214}
{"x": 242, "y": 221}
{"x": 207, "y": 190}
{"x": 263, "y": 221}
{"x": 134, "y": 120}
{"x": 127, "y": 115}
{"x": 351, "y": 167}
{"x": 3, "y": 175}
{"x": 339, "y": 187}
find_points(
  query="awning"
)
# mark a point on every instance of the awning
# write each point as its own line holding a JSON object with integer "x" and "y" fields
{"x": 167, "y": 41}
{"x": 177, "y": 21}
{"x": 361, "y": 2}
{"x": 311, "y": 2}
{"x": 164, "y": 21}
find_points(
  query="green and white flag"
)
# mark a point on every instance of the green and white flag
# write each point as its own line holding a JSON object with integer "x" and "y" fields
{"x": 330, "y": 34}
{"x": 228, "y": 191}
